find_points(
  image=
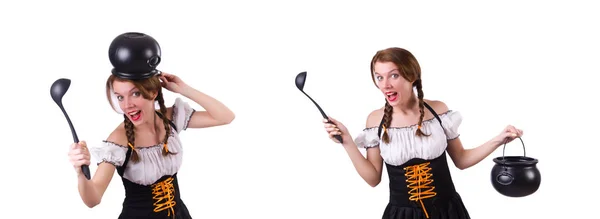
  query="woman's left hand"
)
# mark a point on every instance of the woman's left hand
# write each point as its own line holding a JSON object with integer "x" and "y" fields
{"x": 508, "y": 134}
{"x": 171, "y": 82}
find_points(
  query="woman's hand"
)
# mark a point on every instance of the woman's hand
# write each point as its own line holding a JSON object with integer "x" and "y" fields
{"x": 172, "y": 82}
{"x": 508, "y": 135}
{"x": 79, "y": 155}
{"x": 337, "y": 128}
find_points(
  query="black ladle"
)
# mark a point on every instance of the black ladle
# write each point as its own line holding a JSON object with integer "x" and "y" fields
{"x": 300, "y": 80}
{"x": 57, "y": 91}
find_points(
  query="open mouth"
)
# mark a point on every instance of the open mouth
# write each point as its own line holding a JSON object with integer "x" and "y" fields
{"x": 391, "y": 96}
{"x": 135, "y": 115}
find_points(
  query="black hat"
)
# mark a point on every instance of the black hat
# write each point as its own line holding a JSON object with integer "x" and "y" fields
{"x": 134, "y": 56}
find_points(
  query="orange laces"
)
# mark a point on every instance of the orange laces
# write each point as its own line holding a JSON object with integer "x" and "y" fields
{"x": 131, "y": 146}
{"x": 164, "y": 196}
{"x": 166, "y": 148}
{"x": 418, "y": 179}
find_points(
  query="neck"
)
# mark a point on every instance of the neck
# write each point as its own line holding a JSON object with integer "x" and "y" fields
{"x": 149, "y": 125}
{"x": 411, "y": 106}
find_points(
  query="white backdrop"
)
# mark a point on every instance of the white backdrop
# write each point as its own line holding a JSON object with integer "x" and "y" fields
{"x": 522, "y": 63}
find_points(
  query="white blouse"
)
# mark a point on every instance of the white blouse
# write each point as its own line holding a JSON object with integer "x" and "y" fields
{"x": 405, "y": 144}
{"x": 152, "y": 164}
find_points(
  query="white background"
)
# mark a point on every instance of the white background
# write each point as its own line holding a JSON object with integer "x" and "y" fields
{"x": 525, "y": 63}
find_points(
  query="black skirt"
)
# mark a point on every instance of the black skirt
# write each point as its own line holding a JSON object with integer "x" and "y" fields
{"x": 422, "y": 189}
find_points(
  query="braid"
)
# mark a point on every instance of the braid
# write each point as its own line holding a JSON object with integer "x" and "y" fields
{"x": 421, "y": 105}
{"x": 163, "y": 112}
{"x": 387, "y": 120}
{"x": 129, "y": 131}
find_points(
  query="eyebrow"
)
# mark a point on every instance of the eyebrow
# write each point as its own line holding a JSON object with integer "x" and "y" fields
{"x": 395, "y": 69}
{"x": 127, "y": 91}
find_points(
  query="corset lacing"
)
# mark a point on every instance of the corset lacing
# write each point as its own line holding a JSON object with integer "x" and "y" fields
{"x": 419, "y": 180}
{"x": 164, "y": 191}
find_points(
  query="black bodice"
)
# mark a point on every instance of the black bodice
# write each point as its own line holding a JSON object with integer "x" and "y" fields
{"x": 421, "y": 183}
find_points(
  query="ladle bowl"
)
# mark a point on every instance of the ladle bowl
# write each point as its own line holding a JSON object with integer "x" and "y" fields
{"x": 300, "y": 81}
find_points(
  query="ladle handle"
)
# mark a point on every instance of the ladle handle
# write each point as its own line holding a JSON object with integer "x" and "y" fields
{"x": 504, "y": 148}
{"x": 84, "y": 168}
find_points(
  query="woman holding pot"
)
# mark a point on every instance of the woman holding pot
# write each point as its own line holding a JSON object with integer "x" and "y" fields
{"x": 145, "y": 148}
{"x": 412, "y": 135}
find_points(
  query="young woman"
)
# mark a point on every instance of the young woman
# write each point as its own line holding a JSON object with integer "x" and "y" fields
{"x": 145, "y": 148}
{"x": 412, "y": 135}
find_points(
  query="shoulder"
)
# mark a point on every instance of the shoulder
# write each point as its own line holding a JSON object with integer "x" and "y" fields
{"x": 118, "y": 135}
{"x": 438, "y": 106}
{"x": 374, "y": 118}
{"x": 171, "y": 109}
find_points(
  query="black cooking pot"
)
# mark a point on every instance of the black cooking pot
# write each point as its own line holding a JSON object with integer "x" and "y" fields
{"x": 134, "y": 56}
{"x": 516, "y": 176}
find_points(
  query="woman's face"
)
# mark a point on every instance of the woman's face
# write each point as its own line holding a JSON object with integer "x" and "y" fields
{"x": 132, "y": 103}
{"x": 389, "y": 80}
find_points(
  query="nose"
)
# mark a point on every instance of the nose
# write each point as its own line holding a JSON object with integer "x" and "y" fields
{"x": 127, "y": 102}
{"x": 386, "y": 83}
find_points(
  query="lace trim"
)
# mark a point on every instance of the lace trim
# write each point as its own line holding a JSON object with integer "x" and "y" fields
{"x": 186, "y": 122}
{"x": 107, "y": 161}
{"x": 413, "y": 125}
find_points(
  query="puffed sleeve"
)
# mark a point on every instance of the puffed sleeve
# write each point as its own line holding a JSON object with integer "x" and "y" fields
{"x": 367, "y": 138}
{"x": 182, "y": 113}
{"x": 451, "y": 121}
{"x": 109, "y": 152}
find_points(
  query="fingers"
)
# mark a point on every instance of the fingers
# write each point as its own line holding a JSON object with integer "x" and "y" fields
{"x": 329, "y": 126}
{"x": 81, "y": 162}
{"x": 79, "y": 154}
{"x": 513, "y": 131}
{"x": 331, "y": 129}
{"x": 163, "y": 80}
{"x": 334, "y": 131}
{"x": 79, "y": 159}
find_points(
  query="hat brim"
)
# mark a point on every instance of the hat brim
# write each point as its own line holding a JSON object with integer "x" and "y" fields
{"x": 135, "y": 76}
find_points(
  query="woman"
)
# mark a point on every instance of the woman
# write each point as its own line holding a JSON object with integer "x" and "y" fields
{"x": 412, "y": 142}
{"x": 145, "y": 148}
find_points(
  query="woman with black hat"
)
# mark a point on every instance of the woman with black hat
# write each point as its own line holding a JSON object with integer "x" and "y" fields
{"x": 412, "y": 135}
{"x": 145, "y": 148}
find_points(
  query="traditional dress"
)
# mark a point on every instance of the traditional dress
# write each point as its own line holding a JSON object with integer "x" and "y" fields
{"x": 151, "y": 188}
{"x": 420, "y": 182}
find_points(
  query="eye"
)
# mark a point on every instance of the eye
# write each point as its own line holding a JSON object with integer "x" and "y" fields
{"x": 120, "y": 98}
{"x": 379, "y": 78}
{"x": 395, "y": 75}
{"x": 136, "y": 94}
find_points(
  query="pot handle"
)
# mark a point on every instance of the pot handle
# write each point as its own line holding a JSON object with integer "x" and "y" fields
{"x": 504, "y": 149}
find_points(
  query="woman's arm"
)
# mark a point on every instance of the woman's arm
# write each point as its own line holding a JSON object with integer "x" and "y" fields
{"x": 368, "y": 168}
{"x": 91, "y": 191}
{"x": 216, "y": 113}
{"x": 465, "y": 158}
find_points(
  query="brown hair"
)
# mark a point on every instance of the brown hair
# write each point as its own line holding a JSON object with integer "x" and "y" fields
{"x": 146, "y": 87}
{"x": 411, "y": 71}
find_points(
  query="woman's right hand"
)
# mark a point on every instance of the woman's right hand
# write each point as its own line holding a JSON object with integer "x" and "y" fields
{"x": 336, "y": 128}
{"x": 79, "y": 155}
